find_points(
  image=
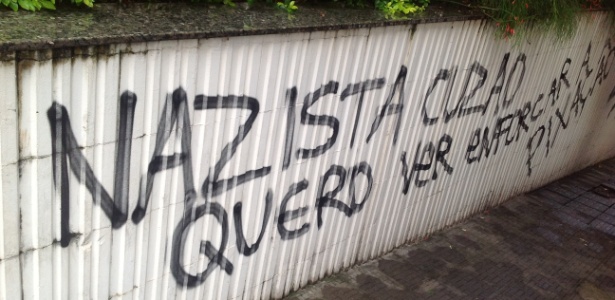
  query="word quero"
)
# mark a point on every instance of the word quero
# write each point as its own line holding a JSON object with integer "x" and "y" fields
{"x": 67, "y": 155}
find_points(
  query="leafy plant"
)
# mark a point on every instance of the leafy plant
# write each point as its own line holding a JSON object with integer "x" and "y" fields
{"x": 88, "y": 3}
{"x": 229, "y": 3}
{"x": 514, "y": 17}
{"x": 400, "y": 8}
{"x": 35, "y": 5}
{"x": 288, "y": 6}
{"x": 31, "y": 5}
{"x": 558, "y": 16}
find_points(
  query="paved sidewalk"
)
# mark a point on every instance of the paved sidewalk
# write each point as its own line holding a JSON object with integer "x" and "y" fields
{"x": 557, "y": 242}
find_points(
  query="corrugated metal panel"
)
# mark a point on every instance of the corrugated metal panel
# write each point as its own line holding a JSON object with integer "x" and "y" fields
{"x": 248, "y": 167}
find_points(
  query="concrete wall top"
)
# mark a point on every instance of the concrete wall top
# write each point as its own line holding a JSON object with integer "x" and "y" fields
{"x": 112, "y": 23}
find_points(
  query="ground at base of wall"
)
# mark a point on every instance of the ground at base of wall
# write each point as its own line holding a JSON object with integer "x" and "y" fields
{"x": 556, "y": 242}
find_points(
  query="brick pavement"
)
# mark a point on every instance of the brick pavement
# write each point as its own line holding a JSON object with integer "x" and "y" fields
{"x": 557, "y": 242}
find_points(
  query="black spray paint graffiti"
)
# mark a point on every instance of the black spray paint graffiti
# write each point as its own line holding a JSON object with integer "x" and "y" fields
{"x": 502, "y": 93}
{"x": 175, "y": 117}
{"x": 569, "y": 100}
{"x": 329, "y": 200}
{"x": 434, "y": 155}
{"x": 213, "y": 184}
{"x": 430, "y": 160}
{"x": 174, "y": 113}
{"x": 331, "y": 88}
{"x": 65, "y": 150}
{"x": 508, "y": 128}
{"x": 484, "y": 142}
{"x": 360, "y": 88}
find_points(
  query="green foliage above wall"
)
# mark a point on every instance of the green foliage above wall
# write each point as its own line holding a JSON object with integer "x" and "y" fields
{"x": 511, "y": 17}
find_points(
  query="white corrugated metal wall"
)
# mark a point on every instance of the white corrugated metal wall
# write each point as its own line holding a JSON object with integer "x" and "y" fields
{"x": 247, "y": 167}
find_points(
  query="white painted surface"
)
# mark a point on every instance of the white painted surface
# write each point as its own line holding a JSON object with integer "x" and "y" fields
{"x": 58, "y": 243}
